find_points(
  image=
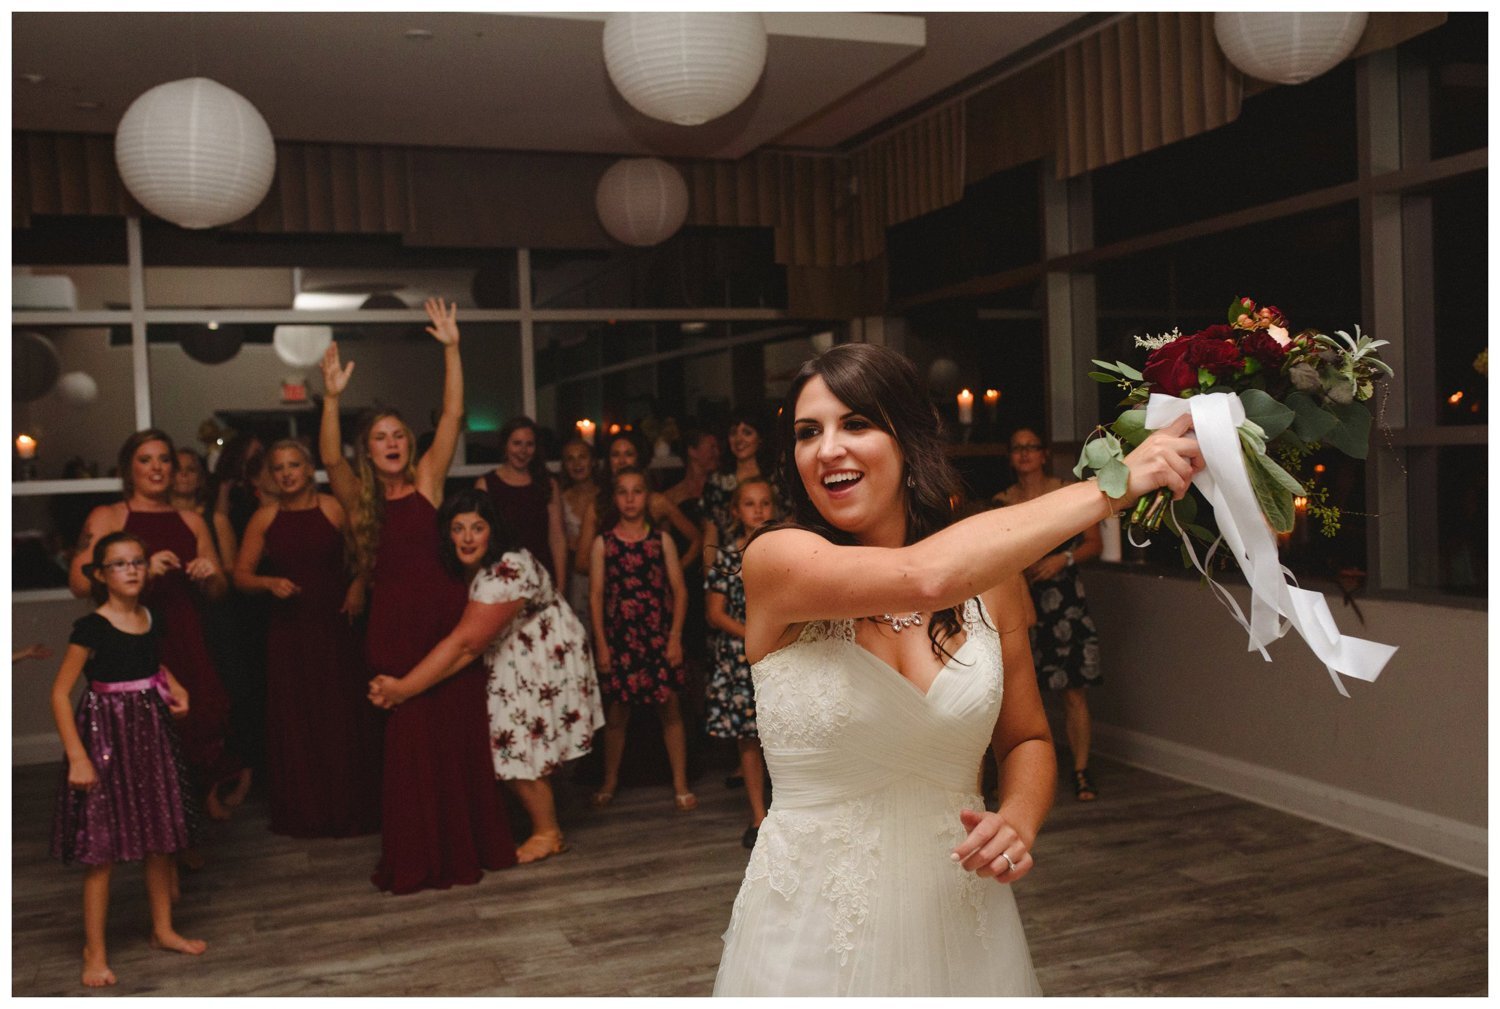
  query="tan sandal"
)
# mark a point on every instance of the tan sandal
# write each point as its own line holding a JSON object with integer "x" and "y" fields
{"x": 540, "y": 847}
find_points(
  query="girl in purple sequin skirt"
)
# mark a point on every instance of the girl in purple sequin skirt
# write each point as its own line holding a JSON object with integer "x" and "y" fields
{"x": 124, "y": 791}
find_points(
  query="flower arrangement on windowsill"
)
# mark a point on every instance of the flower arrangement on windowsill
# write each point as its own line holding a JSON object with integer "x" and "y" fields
{"x": 1297, "y": 393}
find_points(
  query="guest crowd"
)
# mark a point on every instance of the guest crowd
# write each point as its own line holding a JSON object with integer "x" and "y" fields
{"x": 398, "y": 653}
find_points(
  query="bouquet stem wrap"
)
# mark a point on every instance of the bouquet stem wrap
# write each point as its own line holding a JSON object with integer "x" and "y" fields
{"x": 1226, "y": 485}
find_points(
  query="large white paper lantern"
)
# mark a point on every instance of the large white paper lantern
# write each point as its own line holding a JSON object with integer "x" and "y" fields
{"x": 1288, "y": 47}
{"x": 78, "y": 388}
{"x": 301, "y": 346}
{"x": 685, "y": 68}
{"x": 195, "y": 153}
{"x": 641, "y": 201}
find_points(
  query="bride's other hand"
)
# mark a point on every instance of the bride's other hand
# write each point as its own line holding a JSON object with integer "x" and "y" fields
{"x": 1167, "y": 458}
{"x": 991, "y": 838}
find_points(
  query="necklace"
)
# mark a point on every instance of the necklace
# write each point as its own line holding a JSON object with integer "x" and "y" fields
{"x": 899, "y": 623}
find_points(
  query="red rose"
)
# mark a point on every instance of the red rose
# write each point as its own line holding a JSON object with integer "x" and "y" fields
{"x": 1166, "y": 370}
{"x": 1264, "y": 348}
{"x": 1214, "y": 349}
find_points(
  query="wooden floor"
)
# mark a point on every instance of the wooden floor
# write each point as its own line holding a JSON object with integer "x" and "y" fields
{"x": 1160, "y": 888}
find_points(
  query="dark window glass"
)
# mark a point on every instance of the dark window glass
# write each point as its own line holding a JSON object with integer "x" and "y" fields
{"x": 1286, "y": 141}
{"x": 1460, "y": 300}
{"x": 696, "y": 268}
{"x": 1456, "y": 56}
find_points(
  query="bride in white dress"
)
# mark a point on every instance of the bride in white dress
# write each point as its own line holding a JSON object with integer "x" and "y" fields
{"x": 878, "y": 680}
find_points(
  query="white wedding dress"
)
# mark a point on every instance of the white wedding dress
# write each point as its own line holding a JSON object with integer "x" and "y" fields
{"x": 850, "y": 889}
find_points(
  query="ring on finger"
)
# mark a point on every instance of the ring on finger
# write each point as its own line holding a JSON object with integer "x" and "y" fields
{"x": 1008, "y": 862}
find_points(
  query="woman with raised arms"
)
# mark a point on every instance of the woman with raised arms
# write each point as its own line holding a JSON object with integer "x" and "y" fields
{"x": 879, "y": 677}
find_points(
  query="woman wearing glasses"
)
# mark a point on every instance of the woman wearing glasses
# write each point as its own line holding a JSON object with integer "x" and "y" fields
{"x": 1064, "y": 643}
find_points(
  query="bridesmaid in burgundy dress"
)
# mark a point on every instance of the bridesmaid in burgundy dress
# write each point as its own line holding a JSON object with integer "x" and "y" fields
{"x": 323, "y": 743}
{"x": 183, "y": 566}
{"x": 441, "y": 818}
{"x": 528, "y": 499}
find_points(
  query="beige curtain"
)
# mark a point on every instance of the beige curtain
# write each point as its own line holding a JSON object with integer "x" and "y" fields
{"x": 1139, "y": 84}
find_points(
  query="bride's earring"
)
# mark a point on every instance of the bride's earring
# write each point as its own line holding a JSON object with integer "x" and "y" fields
{"x": 911, "y": 481}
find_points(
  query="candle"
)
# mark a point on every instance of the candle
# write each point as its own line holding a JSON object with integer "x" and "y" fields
{"x": 586, "y": 429}
{"x": 965, "y": 407}
{"x": 992, "y": 398}
{"x": 614, "y": 429}
{"x": 25, "y": 446}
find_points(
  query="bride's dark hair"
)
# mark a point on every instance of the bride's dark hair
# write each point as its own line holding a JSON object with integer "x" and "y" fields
{"x": 884, "y": 387}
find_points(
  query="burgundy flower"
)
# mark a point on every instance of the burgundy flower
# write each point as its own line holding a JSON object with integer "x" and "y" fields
{"x": 1215, "y": 350}
{"x": 1265, "y": 348}
{"x": 1166, "y": 370}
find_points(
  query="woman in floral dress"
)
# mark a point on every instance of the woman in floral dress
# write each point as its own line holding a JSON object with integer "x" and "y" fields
{"x": 543, "y": 701}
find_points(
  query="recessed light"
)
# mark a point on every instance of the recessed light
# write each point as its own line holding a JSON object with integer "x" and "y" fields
{"x": 30, "y": 78}
{"x": 417, "y": 35}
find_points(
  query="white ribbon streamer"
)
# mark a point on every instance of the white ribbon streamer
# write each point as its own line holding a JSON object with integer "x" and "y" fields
{"x": 1226, "y": 485}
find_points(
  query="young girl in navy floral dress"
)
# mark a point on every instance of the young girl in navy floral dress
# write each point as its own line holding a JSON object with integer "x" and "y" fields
{"x": 731, "y": 695}
{"x": 637, "y": 602}
{"x": 122, "y": 796}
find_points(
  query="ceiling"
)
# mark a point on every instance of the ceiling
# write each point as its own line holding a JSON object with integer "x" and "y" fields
{"x": 533, "y": 82}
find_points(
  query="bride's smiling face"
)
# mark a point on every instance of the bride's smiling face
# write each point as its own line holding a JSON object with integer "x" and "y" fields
{"x": 851, "y": 469}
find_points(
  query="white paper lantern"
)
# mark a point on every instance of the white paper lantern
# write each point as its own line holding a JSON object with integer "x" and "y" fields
{"x": 301, "y": 346}
{"x": 685, "y": 68}
{"x": 1288, "y": 47}
{"x": 641, "y": 201}
{"x": 195, "y": 153}
{"x": 78, "y": 388}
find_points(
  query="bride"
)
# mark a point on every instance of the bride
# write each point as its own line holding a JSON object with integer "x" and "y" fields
{"x": 871, "y": 628}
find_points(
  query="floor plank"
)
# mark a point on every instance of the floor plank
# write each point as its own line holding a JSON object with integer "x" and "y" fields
{"x": 1159, "y": 888}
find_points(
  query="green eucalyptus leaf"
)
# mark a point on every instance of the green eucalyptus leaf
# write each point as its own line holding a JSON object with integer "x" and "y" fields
{"x": 1351, "y": 436}
{"x": 1104, "y": 378}
{"x": 1312, "y": 422}
{"x": 1114, "y": 478}
{"x": 1131, "y": 427}
{"x": 1271, "y": 416}
{"x": 1282, "y": 478}
{"x": 1129, "y": 372}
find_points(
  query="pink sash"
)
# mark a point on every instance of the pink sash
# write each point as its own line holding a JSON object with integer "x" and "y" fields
{"x": 159, "y": 681}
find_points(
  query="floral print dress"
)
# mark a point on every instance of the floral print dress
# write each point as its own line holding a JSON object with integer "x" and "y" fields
{"x": 1064, "y": 642}
{"x": 542, "y": 695}
{"x": 731, "y": 695}
{"x": 637, "y": 622}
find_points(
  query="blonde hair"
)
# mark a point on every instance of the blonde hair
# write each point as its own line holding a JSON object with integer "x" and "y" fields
{"x": 369, "y": 511}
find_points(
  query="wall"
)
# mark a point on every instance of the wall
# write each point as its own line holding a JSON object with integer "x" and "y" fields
{"x": 1403, "y": 761}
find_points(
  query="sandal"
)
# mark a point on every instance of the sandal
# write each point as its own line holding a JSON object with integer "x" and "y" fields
{"x": 1083, "y": 786}
{"x": 601, "y": 799}
{"x": 686, "y": 802}
{"x": 539, "y": 847}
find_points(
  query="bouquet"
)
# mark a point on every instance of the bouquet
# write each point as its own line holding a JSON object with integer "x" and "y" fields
{"x": 1297, "y": 393}
{"x": 1254, "y": 391}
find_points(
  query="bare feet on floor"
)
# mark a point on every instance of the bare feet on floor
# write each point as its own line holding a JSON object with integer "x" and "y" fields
{"x": 96, "y": 972}
{"x": 235, "y": 797}
{"x": 177, "y": 944}
{"x": 541, "y": 845}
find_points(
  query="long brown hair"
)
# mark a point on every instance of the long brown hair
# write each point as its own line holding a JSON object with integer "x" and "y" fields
{"x": 369, "y": 515}
{"x": 883, "y": 386}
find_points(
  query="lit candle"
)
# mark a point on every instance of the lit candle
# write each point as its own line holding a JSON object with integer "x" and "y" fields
{"x": 965, "y": 407}
{"x": 25, "y": 446}
{"x": 586, "y": 429}
{"x": 614, "y": 429}
{"x": 992, "y": 404}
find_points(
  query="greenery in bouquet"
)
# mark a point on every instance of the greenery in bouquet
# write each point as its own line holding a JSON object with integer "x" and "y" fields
{"x": 1300, "y": 393}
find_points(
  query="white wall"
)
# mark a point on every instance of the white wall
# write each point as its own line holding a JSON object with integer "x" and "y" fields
{"x": 1404, "y": 760}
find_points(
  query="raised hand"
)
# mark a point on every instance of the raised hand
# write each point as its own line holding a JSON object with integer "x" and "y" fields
{"x": 335, "y": 378}
{"x": 444, "y": 321}
{"x": 1167, "y": 458}
{"x": 992, "y": 848}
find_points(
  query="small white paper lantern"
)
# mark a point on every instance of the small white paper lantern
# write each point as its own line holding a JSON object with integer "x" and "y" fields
{"x": 641, "y": 201}
{"x": 685, "y": 68}
{"x": 78, "y": 388}
{"x": 1288, "y": 47}
{"x": 301, "y": 346}
{"x": 195, "y": 153}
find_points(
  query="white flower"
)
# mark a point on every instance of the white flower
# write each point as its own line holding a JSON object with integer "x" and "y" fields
{"x": 1279, "y": 334}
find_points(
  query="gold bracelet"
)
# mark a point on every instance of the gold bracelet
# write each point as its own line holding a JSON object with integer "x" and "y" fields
{"x": 1114, "y": 509}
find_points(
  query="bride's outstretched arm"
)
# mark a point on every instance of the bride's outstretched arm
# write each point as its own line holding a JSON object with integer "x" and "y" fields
{"x": 792, "y": 575}
{"x": 1023, "y": 752}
